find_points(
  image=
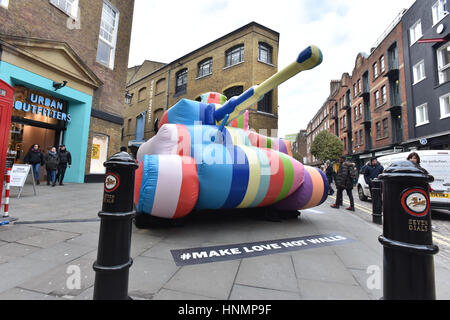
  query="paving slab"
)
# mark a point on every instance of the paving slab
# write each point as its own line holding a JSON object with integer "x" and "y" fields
{"x": 48, "y": 238}
{"x": 325, "y": 290}
{"x": 149, "y": 275}
{"x": 166, "y": 294}
{"x": 241, "y": 292}
{"x": 23, "y": 294}
{"x": 272, "y": 272}
{"x": 60, "y": 253}
{"x": 211, "y": 280}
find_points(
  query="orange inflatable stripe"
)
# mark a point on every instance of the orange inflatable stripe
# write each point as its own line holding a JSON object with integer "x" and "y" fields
{"x": 189, "y": 188}
{"x": 276, "y": 178}
{"x": 288, "y": 146}
{"x": 318, "y": 186}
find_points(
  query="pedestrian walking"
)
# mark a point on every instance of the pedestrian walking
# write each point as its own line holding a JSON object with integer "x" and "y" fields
{"x": 344, "y": 181}
{"x": 372, "y": 171}
{"x": 35, "y": 157}
{"x": 65, "y": 159}
{"x": 329, "y": 172}
{"x": 414, "y": 157}
{"x": 51, "y": 164}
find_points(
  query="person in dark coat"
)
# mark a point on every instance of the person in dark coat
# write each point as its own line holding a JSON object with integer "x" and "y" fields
{"x": 344, "y": 180}
{"x": 372, "y": 171}
{"x": 35, "y": 157}
{"x": 51, "y": 164}
{"x": 65, "y": 159}
{"x": 329, "y": 172}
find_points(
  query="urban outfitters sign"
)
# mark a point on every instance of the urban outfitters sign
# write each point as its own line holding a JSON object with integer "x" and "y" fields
{"x": 34, "y": 104}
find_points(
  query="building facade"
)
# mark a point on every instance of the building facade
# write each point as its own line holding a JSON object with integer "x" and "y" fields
{"x": 426, "y": 38}
{"x": 367, "y": 109}
{"x": 67, "y": 60}
{"x": 229, "y": 65}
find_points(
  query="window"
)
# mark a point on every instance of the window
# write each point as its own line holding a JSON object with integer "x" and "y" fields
{"x": 359, "y": 85}
{"x": 359, "y": 110}
{"x": 204, "y": 68}
{"x": 354, "y": 89}
{"x": 70, "y": 7}
{"x": 385, "y": 128}
{"x": 181, "y": 82}
{"x": 141, "y": 94}
{"x": 265, "y": 53}
{"x": 444, "y": 101}
{"x": 99, "y": 153}
{"x": 422, "y": 114}
{"x": 233, "y": 91}
{"x": 439, "y": 10}
{"x": 355, "y": 112}
{"x": 378, "y": 129}
{"x": 375, "y": 70}
{"x": 265, "y": 104}
{"x": 377, "y": 98}
{"x": 443, "y": 59}
{"x": 361, "y": 141}
{"x": 4, "y": 3}
{"x": 160, "y": 86}
{"x": 356, "y": 138}
{"x": 129, "y": 126}
{"x": 108, "y": 35}
{"x": 383, "y": 95}
{"x": 415, "y": 32}
{"x": 382, "y": 64}
{"x": 418, "y": 72}
{"x": 234, "y": 56}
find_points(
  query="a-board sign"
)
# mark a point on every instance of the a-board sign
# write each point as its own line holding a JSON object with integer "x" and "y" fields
{"x": 19, "y": 173}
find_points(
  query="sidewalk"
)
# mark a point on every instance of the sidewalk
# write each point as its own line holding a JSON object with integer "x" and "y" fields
{"x": 59, "y": 228}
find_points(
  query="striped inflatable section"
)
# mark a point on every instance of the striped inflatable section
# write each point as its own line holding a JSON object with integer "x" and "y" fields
{"x": 169, "y": 186}
{"x": 311, "y": 193}
{"x": 262, "y": 141}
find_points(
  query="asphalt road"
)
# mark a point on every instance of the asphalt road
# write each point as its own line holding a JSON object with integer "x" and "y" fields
{"x": 440, "y": 222}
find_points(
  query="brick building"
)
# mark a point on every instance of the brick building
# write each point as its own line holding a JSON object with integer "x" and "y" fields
{"x": 229, "y": 65}
{"x": 72, "y": 54}
{"x": 367, "y": 109}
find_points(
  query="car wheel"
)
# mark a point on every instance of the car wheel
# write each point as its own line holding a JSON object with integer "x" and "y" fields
{"x": 361, "y": 195}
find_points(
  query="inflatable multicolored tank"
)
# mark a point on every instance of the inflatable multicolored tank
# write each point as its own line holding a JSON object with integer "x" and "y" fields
{"x": 205, "y": 157}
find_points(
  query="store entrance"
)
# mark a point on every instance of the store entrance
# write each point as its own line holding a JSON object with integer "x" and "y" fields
{"x": 23, "y": 137}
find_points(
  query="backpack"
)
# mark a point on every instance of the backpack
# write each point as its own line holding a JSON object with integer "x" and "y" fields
{"x": 353, "y": 173}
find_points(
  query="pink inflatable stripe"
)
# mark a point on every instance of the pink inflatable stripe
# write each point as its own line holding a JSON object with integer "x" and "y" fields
{"x": 168, "y": 187}
{"x": 184, "y": 141}
{"x": 299, "y": 175}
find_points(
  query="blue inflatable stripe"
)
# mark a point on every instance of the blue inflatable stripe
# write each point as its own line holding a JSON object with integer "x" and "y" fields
{"x": 184, "y": 112}
{"x": 264, "y": 179}
{"x": 239, "y": 182}
{"x": 326, "y": 187}
{"x": 304, "y": 55}
{"x": 231, "y": 104}
{"x": 149, "y": 182}
{"x": 215, "y": 172}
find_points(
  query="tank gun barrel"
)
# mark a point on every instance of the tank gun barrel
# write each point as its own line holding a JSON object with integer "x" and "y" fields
{"x": 307, "y": 59}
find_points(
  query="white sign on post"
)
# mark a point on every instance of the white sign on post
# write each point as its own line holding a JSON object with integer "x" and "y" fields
{"x": 19, "y": 174}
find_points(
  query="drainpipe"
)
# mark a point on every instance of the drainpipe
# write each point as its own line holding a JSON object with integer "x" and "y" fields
{"x": 168, "y": 88}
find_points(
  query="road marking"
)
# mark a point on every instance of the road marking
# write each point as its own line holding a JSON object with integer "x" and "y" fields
{"x": 441, "y": 236}
{"x": 441, "y": 242}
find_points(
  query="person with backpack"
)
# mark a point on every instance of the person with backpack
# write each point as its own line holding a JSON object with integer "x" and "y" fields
{"x": 344, "y": 181}
{"x": 35, "y": 157}
{"x": 329, "y": 172}
{"x": 65, "y": 158}
{"x": 51, "y": 164}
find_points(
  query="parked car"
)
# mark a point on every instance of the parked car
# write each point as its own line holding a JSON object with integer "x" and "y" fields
{"x": 436, "y": 162}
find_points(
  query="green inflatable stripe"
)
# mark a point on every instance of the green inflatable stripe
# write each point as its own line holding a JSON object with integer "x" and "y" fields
{"x": 240, "y": 121}
{"x": 268, "y": 143}
{"x": 288, "y": 176}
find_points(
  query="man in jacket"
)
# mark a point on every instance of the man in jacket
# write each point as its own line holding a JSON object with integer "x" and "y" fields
{"x": 65, "y": 158}
{"x": 372, "y": 171}
{"x": 329, "y": 172}
{"x": 51, "y": 164}
{"x": 344, "y": 180}
{"x": 35, "y": 157}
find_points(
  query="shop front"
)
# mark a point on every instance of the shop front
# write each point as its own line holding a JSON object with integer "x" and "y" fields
{"x": 52, "y": 100}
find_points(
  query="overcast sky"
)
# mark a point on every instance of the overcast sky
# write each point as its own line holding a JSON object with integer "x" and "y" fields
{"x": 164, "y": 30}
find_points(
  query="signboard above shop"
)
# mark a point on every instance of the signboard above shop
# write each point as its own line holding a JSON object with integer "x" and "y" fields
{"x": 34, "y": 105}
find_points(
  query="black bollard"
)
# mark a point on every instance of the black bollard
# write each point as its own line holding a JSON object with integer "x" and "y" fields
{"x": 377, "y": 197}
{"x": 113, "y": 255}
{"x": 408, "y": 265}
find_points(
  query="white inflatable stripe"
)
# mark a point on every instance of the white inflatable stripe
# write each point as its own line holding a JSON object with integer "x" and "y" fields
{"x": 168, "y": 187}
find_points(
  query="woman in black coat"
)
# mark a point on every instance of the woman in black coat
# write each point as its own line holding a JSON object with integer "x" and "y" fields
{"x": 51, "y": 164}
